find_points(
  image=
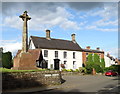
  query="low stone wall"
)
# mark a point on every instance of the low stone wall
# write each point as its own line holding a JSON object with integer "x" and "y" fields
{"x": 71, "y": 73}
{"x": 30, "y": 79}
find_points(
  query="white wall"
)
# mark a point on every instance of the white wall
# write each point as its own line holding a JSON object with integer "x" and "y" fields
{"x": 69, "y": 59}
{"x": 108, "y": 61}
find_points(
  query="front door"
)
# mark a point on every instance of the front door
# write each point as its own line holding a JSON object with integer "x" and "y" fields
{"x": 56, "y": 64}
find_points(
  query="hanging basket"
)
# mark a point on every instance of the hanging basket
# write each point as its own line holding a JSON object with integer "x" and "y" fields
{"x": 62, "y": 65}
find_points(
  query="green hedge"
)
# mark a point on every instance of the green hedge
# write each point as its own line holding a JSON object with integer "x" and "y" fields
{"x": 115, "y": 68}
{"x": 7, "y": 60}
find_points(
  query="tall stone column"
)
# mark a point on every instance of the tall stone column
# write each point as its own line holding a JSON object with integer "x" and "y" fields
{"x": 25, "y": 18}
{"x": 25, "y": 59}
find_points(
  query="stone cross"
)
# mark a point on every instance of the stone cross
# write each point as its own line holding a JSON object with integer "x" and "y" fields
{"x": 25, "y": 18}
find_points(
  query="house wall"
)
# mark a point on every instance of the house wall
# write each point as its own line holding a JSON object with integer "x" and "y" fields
{"x": 69, "y": 59}
{"x": 108, "y": 61}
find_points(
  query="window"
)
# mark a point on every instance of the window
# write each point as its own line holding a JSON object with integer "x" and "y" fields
{"x": 73, "y": 54}
{"x": 65, "y": 54}
{"x": 74, "y": 65}
{"x": 65, "y": 62}
{"x": 86, "y": 53}
{"x": 56, "y": 53}
{"x": 45, "y": 53}
{"x": 73, "y": 62}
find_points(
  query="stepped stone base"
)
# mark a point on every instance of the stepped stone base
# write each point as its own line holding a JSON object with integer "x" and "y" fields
{"x": 24, "y": 61}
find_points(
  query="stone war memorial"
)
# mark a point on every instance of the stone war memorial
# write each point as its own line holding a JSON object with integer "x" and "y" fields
{"x": 25, "y": 59}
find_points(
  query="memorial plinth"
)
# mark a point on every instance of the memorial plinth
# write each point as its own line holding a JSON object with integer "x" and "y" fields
{"x": 24, "y": 60}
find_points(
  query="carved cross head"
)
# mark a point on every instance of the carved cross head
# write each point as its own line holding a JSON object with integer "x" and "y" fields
{"x": 25, "y": 16}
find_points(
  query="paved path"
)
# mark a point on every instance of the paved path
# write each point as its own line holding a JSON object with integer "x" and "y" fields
{"x": 79, "y": 83}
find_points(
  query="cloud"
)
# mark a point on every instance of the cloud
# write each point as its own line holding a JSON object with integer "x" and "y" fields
{"x": 12, "y": 21}
{"x": 107, "y": 29}
{"x": 85, "y": 6}
{"x": 46, "y": 19}
{"x": 95, "y": 28}
{"x": 103, "y": 22}
{"x": 114, "y": 52}
{"x": 110, "y": 10}
{"x": 12, "y": 47}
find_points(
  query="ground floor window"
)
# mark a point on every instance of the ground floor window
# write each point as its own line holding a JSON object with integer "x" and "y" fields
{"x": 74, "y": 64}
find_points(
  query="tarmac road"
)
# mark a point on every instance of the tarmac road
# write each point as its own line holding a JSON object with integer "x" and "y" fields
{"x": 98, "y": 84}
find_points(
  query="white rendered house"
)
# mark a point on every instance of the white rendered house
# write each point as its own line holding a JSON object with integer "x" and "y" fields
{"x": 57, "y": 52}
{"x": 109, "y": 61}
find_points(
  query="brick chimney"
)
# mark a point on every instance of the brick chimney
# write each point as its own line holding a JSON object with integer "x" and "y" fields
{"x": 73, "y": 38}
{"x": 98, "y": 48}
{"x": 88, "y": 47}
{"x": 48, "y": 34}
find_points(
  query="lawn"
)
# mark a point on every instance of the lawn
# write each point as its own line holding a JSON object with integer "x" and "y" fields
{"x": 10, "y": 70}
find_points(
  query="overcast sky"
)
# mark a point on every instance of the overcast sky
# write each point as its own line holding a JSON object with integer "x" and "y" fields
{"x": 94, "y": 23}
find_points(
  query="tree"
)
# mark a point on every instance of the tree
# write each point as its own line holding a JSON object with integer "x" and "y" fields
{"x": 7, "y": 60}
{"x": 90, "y": 59}
{"x": 94, "y": 62}
{"x": 96, "y": 59}
{"x": 102, "y": 63}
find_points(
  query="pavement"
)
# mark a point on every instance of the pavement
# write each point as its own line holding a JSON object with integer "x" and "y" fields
{"x": 78, "y": 83}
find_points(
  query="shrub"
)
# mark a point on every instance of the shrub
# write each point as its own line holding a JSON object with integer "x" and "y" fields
{"x": 115, "y": 68}
{"x": 69, "y": 70}
{"x": 98, "y": 68}
{"x": 7, "y": 60}
{"x": 82, "y": 70}
{"x": 64, "y": 70}
{"x": 77, "y": 70}
{"x": 88, "y": 69}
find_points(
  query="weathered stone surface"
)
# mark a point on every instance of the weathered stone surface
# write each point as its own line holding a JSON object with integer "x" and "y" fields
{"x": 29, "y": 79}
{"x": 24, "y": 61}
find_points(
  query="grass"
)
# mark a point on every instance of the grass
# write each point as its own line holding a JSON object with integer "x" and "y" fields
{"x": 10, "y": 70}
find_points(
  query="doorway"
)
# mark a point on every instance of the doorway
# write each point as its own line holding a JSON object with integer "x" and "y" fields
{"x": 56, "y": 64}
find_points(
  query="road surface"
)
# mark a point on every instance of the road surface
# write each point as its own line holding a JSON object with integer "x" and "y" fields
{"x": 98, "y": 84}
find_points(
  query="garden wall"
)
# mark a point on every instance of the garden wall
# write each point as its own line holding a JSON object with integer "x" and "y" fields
{"x": 14, "y": 80}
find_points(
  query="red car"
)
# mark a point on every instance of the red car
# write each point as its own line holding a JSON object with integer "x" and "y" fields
{"x": 110, "y": 73}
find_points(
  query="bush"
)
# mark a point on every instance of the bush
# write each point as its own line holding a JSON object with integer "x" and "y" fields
{"x": 7, "y": 60}
{"x": 98, "y": 68}
{"x": 69, "y": 70}
{"x": 89, "y": 69}
{"x": 77, "y": 70}
{"x": 82, "y": 70}
{"x": 115, "y": 68}
{"x": 64, "y": 70}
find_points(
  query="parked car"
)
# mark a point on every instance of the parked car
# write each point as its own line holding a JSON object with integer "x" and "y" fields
{"x": 111, "y": 73}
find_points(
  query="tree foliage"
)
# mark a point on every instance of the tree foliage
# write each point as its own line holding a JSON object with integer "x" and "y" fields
{"x": 94, "y": 62}
{"x": 7, "y": 60}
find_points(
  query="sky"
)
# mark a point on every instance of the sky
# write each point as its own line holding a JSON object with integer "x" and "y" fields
{"x": 94, "y": 23}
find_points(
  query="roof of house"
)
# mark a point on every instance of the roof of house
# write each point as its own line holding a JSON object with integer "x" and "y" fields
{"x": 94, "y": 51}
{"x": 40, "y": 42}
{"x": 35, "y": 53}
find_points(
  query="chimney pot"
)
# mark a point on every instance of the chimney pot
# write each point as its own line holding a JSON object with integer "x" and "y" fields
{"x": 97, "y": 48}
{"x": 48, "y": 34}
{"x": 88, "y": 47}
{"x": 73, "y": 37}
